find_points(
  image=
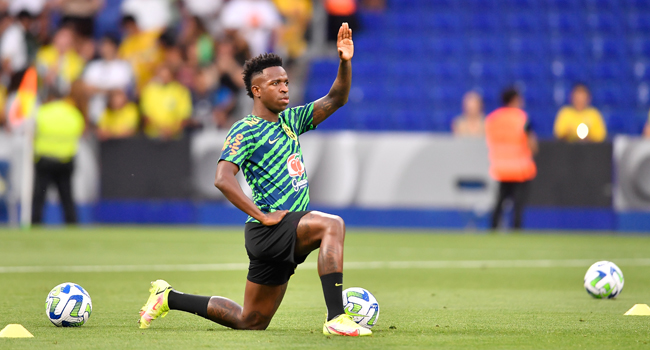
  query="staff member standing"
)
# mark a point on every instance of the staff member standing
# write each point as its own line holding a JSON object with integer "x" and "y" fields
{"x": 511, "y": 144}
{"x": 59, "y": 126}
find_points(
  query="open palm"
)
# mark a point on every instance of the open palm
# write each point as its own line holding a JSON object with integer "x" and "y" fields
{"x": 344, "y": 42}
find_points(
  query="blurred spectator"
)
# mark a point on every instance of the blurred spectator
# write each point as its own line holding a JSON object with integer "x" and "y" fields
{"x": 59, "y": 126}
{"x": 59, "y": 63}
{"x": 207, "y": 11}
{"x": 297, "y": 16}
{"x": 471, "y": 122}
{"x": 166, "y": 105}
{"x": 17, "y": 48}
{"x": 580, "y": 121}
{"x": 104, "y": 74}
{"x": 204, "y": 100}
{"x": 80, "y": 15}
{"x": 229, "y": 68}
{"x": 195, "y": 37}
{"x": 120, "y": 119}
{"x": 511, "y": 144}
{"x": 257, "y": 20}
{"x": 338, "y": 12}
{"x": 141, "y": 50}
{"x": 182, "y": 61}
{"x": 646, "y": 129}
{"x": 34, "y": 7}
{"x": 149, "y": 14}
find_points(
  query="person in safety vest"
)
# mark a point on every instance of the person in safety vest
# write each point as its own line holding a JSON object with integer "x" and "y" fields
{"x": 59, "y": 126}
{"x": 511, "y": 144}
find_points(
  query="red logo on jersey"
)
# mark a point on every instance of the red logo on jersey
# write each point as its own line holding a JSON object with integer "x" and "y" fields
{"x": 295, "y": 165}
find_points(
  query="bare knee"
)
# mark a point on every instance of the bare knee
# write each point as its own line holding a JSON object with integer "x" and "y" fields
{"x": 335, "y": 226}
{"x": 255, "y": 322}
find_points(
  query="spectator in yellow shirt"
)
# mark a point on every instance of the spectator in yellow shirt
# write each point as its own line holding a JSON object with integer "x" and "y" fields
{"x": 59, "y": 63}
{"x": 580, "y": 121}
{"x": 141, "y": 49}
{"x": 166, "y": 105}
{"x": 120, "y": 119}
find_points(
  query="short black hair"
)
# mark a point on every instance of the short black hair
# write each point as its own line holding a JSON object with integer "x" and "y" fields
{"x": 128, "y": 19}
{"x": 256, "y": 65}
{"x": 580, "y": 85}
{"x": 24, "y": 14}
{"x": 508, "y": 95}
{"x": 112, "y": 39}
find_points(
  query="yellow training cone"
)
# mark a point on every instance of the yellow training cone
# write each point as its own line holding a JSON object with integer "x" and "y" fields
{"x": 639, "y": 310}
{"x": 15, "y": 331}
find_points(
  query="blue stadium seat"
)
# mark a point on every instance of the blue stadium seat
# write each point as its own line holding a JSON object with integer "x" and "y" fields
{"x": 524, "y": 23}
{"x": 575, "y": 71}
{"x": 442, "y": 23}
{"x": 486, "y": 48}
{"x": 449, "y": 46}
{"x": 639, "y": 22}
{"x": 610, "y": 71}
{"x": 369, "y": 44}
{"x": 569, "y": 48}
{"x": 640, "y": 46}
{"x": 608, "y": 48}
{"x": 604, "y": 6}
{"x": 531, "y": 71}
{"x": 606, "y": 23}
{"x": 527, "y": 48}
{"x": 572, "y": 23}
{"x": 638, "y": 4}
{"x": 482, "y": 23}
{"x": 447, "y": 71}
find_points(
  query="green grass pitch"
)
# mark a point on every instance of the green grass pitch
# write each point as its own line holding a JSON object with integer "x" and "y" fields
{"x": 517, "y": 291}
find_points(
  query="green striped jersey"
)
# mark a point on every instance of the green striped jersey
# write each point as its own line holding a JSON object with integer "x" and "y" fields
{"x": 270, "y": 157}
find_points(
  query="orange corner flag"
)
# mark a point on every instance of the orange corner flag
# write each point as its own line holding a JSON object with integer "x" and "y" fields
{"x": 22, "y": 106}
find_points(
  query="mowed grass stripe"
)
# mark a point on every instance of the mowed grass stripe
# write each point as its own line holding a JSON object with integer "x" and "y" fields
{"x": 433, "y": 264}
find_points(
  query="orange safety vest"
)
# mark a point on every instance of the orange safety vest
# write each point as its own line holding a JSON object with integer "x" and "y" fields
{"x": 341, "y": 7}
{"x": 511, "y": 160}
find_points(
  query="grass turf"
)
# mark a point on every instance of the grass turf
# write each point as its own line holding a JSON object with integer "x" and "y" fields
{"x": 451, "y": 308}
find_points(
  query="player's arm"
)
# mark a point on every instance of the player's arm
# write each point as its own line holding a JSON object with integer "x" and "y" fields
{"x": 338, "y": 95}
{"x": 226, "y": 182}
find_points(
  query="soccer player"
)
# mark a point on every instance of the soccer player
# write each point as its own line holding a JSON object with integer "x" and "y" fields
{"x": 280, "y": 232}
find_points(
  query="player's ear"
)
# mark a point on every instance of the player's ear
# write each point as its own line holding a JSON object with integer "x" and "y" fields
{"x": 256, "y": 91}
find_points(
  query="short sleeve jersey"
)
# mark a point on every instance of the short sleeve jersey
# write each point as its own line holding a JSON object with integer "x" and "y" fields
{"x": 270, "y": 157}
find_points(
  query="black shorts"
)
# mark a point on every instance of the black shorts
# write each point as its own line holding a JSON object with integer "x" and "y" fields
{"x": 271, "y": 250}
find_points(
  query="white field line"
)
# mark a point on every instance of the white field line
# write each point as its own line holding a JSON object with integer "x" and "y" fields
{"x": 434, "y": 264}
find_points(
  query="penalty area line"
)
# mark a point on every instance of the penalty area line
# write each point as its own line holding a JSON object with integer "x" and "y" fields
{"x": 349, "y": 265}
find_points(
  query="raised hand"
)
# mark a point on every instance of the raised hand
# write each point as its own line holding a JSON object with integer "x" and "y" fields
{"x": 344, "y": 42}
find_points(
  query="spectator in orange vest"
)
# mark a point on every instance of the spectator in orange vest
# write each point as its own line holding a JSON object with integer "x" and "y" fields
{"x": 339, "y": 12}
{"x": 511, "y": 144}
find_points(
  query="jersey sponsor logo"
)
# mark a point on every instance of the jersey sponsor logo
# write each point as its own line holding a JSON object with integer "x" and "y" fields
{"x": 289, "y": 132}
{"x": 234, "y": 145}
{"x": 296, "y": 169}
{"x": 295, "y": 165}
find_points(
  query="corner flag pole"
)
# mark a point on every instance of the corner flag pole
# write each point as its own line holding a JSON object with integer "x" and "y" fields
{"x": 22, "y": 112}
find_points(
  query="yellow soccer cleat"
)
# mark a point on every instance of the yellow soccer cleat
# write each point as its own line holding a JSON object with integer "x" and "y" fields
{"x": 344, "y": 325}
{"x": 156, "y": 305}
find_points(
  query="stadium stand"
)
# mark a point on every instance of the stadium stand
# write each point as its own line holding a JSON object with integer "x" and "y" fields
{"x": 413, "y": 66}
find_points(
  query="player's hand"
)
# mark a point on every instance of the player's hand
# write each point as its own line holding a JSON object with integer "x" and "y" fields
{"x": 273, "y": 218}
{"x": 344, "y": 43}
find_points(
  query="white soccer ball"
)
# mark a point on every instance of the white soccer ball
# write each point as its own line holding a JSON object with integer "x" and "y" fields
{"x": 361, "y": 305}
{"x": 68, "y": 305}
{"x": 604, "y": 280}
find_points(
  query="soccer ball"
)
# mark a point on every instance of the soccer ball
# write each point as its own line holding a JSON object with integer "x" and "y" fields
{"x": 604, "y": 280}
{"x": 68, "y": 305}
{"x": 361, "y": 305}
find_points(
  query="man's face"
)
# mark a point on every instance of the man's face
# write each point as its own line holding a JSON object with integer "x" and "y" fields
{"x": 580, "y": 98}
{"x": 108, "y": 50}
{"x": 272, "y": 87}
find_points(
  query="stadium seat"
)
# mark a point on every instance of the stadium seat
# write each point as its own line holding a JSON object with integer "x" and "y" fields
{"x": 527, "y": 48}
{"x": 637, "y": 5}
{"x": 442, "y": 23}
{"x": 606, "y": 23}
{"x": 480, "y": 23}
{"x": 567, "y": 23}
{"x": 639, "y": 22}
{"x": 568, "y": 48}
{"x": 608, "y": 48}
{"x": 524, "y": 23}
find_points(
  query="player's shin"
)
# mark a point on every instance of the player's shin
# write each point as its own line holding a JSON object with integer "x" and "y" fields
{"x": 195, "y": 304}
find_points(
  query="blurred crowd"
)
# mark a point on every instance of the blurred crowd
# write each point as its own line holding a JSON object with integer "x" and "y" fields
{"x": 171, "y": 67}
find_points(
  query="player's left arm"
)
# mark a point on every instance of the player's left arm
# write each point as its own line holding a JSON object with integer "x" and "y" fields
{"x": 338, "y": 95}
